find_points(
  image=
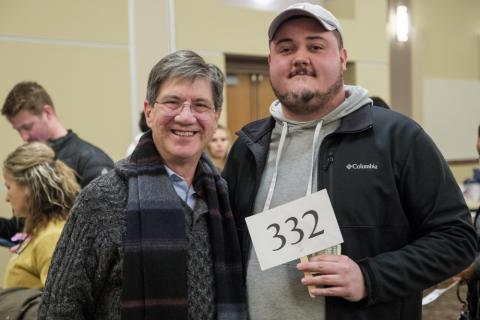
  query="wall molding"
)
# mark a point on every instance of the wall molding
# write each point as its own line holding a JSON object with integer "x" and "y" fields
{"x": 62, "y": 42}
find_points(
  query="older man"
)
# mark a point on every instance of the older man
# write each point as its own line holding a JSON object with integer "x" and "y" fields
{"x": 402, "y": 216}
{"x": 155, "y": 238}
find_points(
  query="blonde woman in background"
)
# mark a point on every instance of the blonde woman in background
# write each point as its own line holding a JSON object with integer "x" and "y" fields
{"x": 219, "y": 146}
{"x": 42, "y": 190}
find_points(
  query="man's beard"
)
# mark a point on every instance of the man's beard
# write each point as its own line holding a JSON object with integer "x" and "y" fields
{"x": 307, "y": 101}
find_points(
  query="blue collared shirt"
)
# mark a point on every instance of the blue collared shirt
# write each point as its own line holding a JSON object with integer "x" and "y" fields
{"x": 182, "y": 189}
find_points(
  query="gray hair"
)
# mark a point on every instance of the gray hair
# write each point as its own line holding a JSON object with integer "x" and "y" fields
{"x": 185, "y": 65}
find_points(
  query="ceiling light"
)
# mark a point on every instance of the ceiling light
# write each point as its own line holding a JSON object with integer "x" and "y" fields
{"x": 402, "y": 23}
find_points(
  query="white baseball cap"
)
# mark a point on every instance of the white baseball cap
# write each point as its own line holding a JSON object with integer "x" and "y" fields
{"x": 325, "y": 17}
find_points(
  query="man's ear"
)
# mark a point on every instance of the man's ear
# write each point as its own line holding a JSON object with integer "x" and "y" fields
{"x": 343, "y": 58}
{"x": 48, "y": 111}
{"x": 148, "y": 111}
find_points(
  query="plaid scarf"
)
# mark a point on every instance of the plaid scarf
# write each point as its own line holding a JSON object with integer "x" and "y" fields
{"x": 155, "y": 248}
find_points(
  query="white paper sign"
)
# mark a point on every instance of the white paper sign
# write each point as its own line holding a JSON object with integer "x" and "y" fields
{"x": 293, "y": 230}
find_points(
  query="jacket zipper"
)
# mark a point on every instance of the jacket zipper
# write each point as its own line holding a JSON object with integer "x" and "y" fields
{"x": 326, "y": 168}
{"x": 330, "y": 159}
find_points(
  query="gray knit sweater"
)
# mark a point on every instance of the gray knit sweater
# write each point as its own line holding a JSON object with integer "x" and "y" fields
{"x": 85, "y": 277}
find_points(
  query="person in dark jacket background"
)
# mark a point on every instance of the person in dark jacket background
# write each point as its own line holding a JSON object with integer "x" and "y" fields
{"x": 379, "y": 102}
{"x": 471, "y": 275}
{"x": 402, "y": 216}
{"x": 30, "y": 110}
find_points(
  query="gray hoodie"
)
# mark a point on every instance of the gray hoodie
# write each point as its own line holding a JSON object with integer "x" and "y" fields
{"x": 277, "y": 293}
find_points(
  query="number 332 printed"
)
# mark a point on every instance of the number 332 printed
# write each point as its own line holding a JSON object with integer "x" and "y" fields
{"x": 294, "y": 222}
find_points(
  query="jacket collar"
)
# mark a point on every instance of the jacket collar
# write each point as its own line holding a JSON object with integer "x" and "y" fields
{"x": 58, "y": 143}
{"x": 357, "y": 121}
{"x": 255, "y": 130}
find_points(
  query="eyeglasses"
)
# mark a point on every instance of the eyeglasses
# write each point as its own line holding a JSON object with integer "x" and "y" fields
{"x": 200, "y": 109}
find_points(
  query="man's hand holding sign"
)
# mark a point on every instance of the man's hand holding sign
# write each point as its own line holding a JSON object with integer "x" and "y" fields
{"x": 334, "y": 275}
{"x": 301, "y": 228}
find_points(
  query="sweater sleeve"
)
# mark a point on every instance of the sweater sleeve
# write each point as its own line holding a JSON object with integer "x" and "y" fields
{"x": 42, "y": 254}
{"x": 85, "y": 269}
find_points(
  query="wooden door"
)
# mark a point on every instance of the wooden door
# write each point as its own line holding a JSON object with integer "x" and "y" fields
{"x": 249, "y": 96}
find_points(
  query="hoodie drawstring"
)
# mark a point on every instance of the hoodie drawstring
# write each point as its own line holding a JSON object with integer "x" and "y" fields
{"x": 275, "y": 172}
{"x": 277, "y": 161}
{"x": 315, "y": 141}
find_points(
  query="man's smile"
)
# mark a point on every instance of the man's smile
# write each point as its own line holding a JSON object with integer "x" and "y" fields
{"x": 183, "y": 133}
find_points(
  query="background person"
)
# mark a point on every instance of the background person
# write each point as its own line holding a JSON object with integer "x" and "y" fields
{"x": 142, "y": 125}
{"x": 471, "y": 186}
{"x": 471, "y": 275}
{"x": 379, "y": 102}
{"x": 478, "y": 141}
{"x": 30, "y": 110}
{"x": 476, "y": 171}
{"x": 219, "y": 146}
{"x": 155, "y": 238}
{"x": 41, "y": 190}
{"x": 403, "y": 219}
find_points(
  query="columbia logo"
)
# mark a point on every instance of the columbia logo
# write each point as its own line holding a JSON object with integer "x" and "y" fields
{"x": 361, "y": 166}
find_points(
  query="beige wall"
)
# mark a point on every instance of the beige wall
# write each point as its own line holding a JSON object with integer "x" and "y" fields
{"x": 436, "y": 74}
{"x": 366, "y": 40}
{"x": 82, "y": 62}
{"x": 449, "y": 38}
{"x": 446, "y": 48}
{"x": 150, "y": 40}
{"x": 78, "y": 50}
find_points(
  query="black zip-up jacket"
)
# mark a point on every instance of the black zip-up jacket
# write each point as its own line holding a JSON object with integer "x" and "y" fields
{"x": 86, "y": 159}
{"x": 400, "y": 211}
